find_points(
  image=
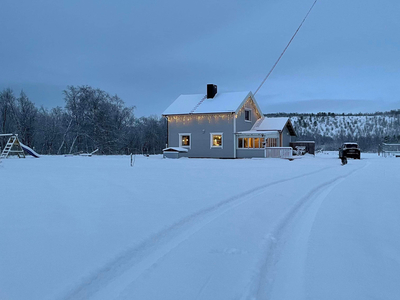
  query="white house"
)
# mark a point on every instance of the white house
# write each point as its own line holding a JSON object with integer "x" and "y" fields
{"x": 224, "y": 125}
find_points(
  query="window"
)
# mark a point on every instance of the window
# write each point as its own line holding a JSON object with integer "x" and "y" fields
{"x": 262, "y": 143}
{"x": 250, "y": 144}
{"x": 246, "y": 143}
{"x": 216, "y": 140}
{"x": 253, "y": 143}
{"x": 272, "y": 142}
{"x": 247, "y": 115}
{"x": 240, "y": 143}
{"x": 185, "y": 140}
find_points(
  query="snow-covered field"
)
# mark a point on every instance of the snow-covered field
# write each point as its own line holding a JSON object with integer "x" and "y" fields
{"x": 97, "y": 228}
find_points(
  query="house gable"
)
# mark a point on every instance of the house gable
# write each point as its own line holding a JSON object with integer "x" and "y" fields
{"x": 248, "y": 108}
{"x": 249, "y": 102}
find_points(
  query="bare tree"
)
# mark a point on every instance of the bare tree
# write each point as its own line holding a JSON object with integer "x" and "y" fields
{"x": 26, "y": 115}
{"x": 7, "y": 111}
{"x": 91, "y": 119}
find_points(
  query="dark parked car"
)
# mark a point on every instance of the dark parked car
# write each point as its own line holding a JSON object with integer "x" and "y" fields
{"x": 350, "y": 150}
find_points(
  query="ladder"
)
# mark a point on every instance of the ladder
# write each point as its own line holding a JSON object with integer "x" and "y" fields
{"x": 12, "y": 141}
{"x": 198, "y": 104}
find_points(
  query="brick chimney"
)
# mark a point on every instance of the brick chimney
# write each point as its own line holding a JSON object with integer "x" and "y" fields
{"x": 211, "y": 91}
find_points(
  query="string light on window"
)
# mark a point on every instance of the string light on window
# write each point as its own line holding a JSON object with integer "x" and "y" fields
{"x": 249, "y": 102}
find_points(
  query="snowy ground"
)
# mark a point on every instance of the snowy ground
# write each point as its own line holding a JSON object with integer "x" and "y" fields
{"x": 96, "y": 228}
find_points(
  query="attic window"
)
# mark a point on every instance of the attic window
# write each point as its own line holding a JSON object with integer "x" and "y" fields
{"x": 185, "y": 140}
{"x": 247, "y": 115}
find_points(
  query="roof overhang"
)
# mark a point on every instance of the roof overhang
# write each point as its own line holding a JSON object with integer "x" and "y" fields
{"x": 271, "y": 133}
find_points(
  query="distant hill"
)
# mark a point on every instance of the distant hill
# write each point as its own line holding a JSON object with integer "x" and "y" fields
{"x": 330, "y": 130}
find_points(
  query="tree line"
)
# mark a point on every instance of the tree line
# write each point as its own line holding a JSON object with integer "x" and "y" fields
{"x": 91, "y": 119}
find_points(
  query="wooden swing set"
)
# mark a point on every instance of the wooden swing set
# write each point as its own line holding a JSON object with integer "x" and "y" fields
{"x": 13, "y": 146}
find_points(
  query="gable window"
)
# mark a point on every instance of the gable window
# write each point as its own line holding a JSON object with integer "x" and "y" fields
{"x": 185, "y": 140}
{"x": 247, "y": 115}
{"x": 216, "y": 140}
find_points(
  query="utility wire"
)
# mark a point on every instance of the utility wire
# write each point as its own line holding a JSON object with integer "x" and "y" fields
{"x": 287, "y": 46}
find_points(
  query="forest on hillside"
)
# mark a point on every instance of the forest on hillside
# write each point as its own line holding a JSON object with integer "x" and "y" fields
{"x": 91, "y": 119}
{"x": 330, "y": 130}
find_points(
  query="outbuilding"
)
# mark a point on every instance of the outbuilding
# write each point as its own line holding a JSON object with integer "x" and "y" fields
{"x": 175, "y": 152}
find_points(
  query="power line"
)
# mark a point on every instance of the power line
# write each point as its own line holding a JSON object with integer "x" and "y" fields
{"x": 273, "y": 67}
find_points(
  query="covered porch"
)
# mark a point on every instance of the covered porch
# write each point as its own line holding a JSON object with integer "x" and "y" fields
{"x": 261, "y": 144}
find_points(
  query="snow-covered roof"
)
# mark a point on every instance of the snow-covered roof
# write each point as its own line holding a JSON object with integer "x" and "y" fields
{"x": 199, "y": 104}
{"x": 268, "y": 124}
{"x": 176, "y": 149}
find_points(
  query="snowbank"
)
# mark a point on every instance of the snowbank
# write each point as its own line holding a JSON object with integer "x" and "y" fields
{"x": 200, "y": 228}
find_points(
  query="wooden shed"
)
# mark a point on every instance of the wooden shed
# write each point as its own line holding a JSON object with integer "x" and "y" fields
{"x": 308, "y": 145}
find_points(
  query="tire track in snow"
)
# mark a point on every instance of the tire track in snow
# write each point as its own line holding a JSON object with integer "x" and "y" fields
{"x": 261, "y": 283}
{"x": 149, "y": 251}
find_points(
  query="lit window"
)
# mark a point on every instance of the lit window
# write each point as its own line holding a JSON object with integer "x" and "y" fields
{"x": 184, "y": 140}
{"x": 216, "y": 140}
{"x": 253, "y": 143}
{"x": 247, "y": 115}
{"x": 262, "y": 143}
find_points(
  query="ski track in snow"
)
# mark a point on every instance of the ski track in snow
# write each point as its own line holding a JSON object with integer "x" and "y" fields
{"x": 261, "y": 284}
{"x": 144, "y": 255}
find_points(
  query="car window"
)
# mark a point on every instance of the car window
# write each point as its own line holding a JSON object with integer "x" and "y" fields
{"x": 351, "y": 146}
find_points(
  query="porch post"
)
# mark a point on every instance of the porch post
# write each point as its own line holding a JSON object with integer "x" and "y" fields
{"x": 234, "y": 135}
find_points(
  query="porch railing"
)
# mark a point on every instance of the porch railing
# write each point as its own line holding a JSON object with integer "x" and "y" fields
{"x": 278, "y": 152}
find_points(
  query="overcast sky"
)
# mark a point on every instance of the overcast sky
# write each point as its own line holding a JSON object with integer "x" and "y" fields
{"x": 345, "y": 58}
